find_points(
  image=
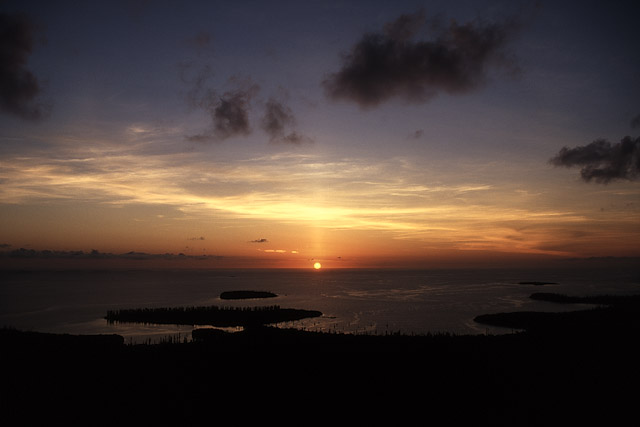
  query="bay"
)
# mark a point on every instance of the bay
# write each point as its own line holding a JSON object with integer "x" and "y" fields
{"x": 371, "y": 301}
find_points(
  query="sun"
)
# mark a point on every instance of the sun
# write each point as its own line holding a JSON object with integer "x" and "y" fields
{"x": 317, "y": 266}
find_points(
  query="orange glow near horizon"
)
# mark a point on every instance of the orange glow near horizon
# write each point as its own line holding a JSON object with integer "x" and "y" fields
{"x": 376, "y": 211}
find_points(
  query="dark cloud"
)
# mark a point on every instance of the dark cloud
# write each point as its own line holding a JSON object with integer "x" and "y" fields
{"x": 392, "y": 64}
{"x": 231, "y": 115}
{"x": 635, "y": 122}
{"x": 602, "y": 161}
{"x": 276, "y": 121}
{"x": 19, "y": 87}
{"x": 201, "y": 40}
{"x": 276, "y": 117}
{"x": 259, "y": 241}
{"x": 229, "y": 112}
{"x": 196, "y": 238}
{"x": 201, "y": 43}
{"x": 406, "y": 26}
{"x": 417, "y": 134}
{"x": 295, "y": 138}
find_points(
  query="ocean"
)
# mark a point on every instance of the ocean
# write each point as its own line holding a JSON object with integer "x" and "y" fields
{"x": 363, "y": 301}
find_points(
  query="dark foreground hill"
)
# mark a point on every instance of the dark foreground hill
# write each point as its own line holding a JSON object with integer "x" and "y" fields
{"x": 558, "y": 376}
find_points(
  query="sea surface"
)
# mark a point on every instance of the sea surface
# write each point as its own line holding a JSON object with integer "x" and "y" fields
{"x": 371, "y": 301}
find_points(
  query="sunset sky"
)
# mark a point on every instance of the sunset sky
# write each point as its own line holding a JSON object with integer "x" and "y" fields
{"x": 353, "y": 133}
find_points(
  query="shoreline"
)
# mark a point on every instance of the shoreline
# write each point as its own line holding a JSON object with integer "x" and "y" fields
{"x": 611, "y": 315}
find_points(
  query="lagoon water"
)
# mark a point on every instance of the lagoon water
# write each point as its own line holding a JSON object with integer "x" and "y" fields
{"x": 352, "y": 300}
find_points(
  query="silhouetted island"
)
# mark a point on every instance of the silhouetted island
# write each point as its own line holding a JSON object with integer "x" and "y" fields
{"x": 210, "y": 315}
{"x": 246, "y": 294}
{"x": 612, "y": 314}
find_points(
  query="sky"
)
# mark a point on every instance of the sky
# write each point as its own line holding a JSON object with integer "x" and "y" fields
{"x": 351, "y": 133}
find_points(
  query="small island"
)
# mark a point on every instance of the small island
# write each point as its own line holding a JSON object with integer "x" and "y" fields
{"x": 246, "y": 295}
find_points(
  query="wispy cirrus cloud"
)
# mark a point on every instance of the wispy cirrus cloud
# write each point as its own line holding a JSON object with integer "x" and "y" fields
{"x": 201, "y": 42}
{"x": 306, "y": 190}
